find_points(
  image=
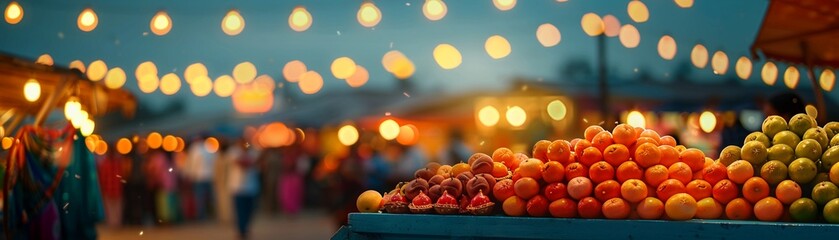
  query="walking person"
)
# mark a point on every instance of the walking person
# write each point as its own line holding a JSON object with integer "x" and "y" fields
{"x": 244, "y": 184}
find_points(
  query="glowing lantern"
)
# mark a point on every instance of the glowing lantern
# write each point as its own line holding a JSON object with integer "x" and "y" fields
{"x": 124, "y": 146}
{"x": 145, "y": 68}
{"x": 115, "y": 78}
{"x": 148, "y": 83}
{"x": 224, "y": 86}
{"x": 359, "y": 78}
{"x": 170, "y": 143}
{"x": 348, "y": 135}
{"x": 389, "y": 129}
{"x": 232, "y": 24}
{"x": 497, "y": 47}
{"x": 516, "y": 116}
{"x": 244, "y": 72}
{"x": 45, "y": 59}
{"x": 252, "y": 99}
{"x": 97, "y": 70}
{"x": 791, "y": 77}
{"x": 666, "y": 47}
{"x": 557, "y": 110}
{"x": 101, "y": 148}
{"x": 592, "y": 24}
{"x": 743, "y": 67}
{"x": 170, "y": 84}
{"x": 72, "y": 108}
{"x": 408, "y": 135}
{"x": 193, "y": 71}
{"x": 684, "y": 3}
{"x": 447, "y": 56}
{"x": 154, "y": 140}
{"x": 636, "y": 119}
{"x": 32, "y": 90}
{"x": 87, "y": 20}
{"x": 827, "y": 79}
{"x": 343, "y": 67}
{"x": 504, "y": 5}
{"x": 7, "y": 142}
{"x": 434, "y": 9}
{"x": 699, "y": 56}
{"x": 211, "y": 144}
{"x": 369, "y": 15}
{"x": 612, "y": 26}
{"x": 769, "y": 73}
{"x": 488, "y": 116}
{"x": 311, "y": 82}
{"x": 719, "y": 62}
{"x": 638, "y": 11}
{"x": 161, "y": 23}
{"x": 707, "y": 121}
{"x": 201, "y": 86}
{"x": 293, "y": 69}
{"x": 14, "y": 13}
{"x": 629, "y": 36}
{"x": 300, "y": 19}
{"x": 79, "y": 65}
{"x": 87, "y": 127}
{"x": 548, "y": 35}
{"x": 389, "y": 58}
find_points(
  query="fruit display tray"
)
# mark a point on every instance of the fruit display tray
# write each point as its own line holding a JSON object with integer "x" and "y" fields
{"x": 425, "y": 226}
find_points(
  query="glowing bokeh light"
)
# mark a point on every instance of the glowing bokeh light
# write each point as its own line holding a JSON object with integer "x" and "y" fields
{"x": 310, "y": 82}
{"x": 408, "y": 135}
{"x": 612, "y": 26}
{"x": 516, "y": 116}
{"x": 497, "y": 47}
{"x": 170, "y": 143}
{"x": 557, "y": 110}
{"x": 403, "y": 68}
{"x": 101, "y": 148}
{"x": 389, "y": 58}
{"x": 791, "y": 76}
{"x": 244, "y": 72}
{"x": 489, "y": 116}
{"x": 124, "y": 146}
{"x": 684, "y": 3}
{"x": 342, "y": 67}
{"x": 78, "y": 64}
{"x": 201, "y": 86}
{"x": 743, "y": 67}
{"x": 504, "y": 5}
{"x": 148, "y": 83}
{"x": 369, "y": 15}
{"x": 638, "y": 11}
{"x": 548, "y": 35}
{"x": 72, "y": 108}
{"x": 145, "y": 68}
{"x": 7, "y": 142}
{"x": 45, "y": 59}
{"x": 827, "y": 79}
{"x": 96, "y": 70}
{"x": 348, "y": 135}
{"x": 666, "y": 47}
{"x": 719, "y": 62}
{"x": 592, "y": 24}
{"x": 224, "y": 86}
{"x": 769, "y": 73}
{"x": 87, "y": 127}
{"x": 170, "y": 84}
{"x": 300, "y": 19}
{"x": 359, "y": 78}
{"x": 32, "y": 90}
{"x": 707, "y": 121}
{"x": 636, "y": 119}
{"x": 13, "y": 13}
{"x": 629, "y": 36}
{"x": 193, "y": 71}
{"x": 233, "y": 23}
{"x": 447, "y": 56}
{"x": 161, "y": 23}
{"x": 87, "y": 20}
{"x": 434, "y": 9}
{"x": 154, "y": 140}
{"x": 115, "y": 78}
{"x": 211, "y": 144}
{"x": 389, "y": 129}
{"x": 699, "y": 56}
{"x": 293, "y": 69}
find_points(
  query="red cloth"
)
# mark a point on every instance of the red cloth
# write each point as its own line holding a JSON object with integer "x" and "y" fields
{"x": 110, "y": 176}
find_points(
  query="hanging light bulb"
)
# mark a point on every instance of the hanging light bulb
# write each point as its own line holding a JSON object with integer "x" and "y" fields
{"x": 32, "y": 90}
{"x": 300, "y": 19}
{"x": 699, "y": 56}
{"x": 497, "y": 47}
{"x": 769, "y": 73}
{"x": 791, "y": 77}
{"x": 743, "y": 67}
{"x": 14, "y": 13}
{"x": 87, "y": 127}
{"x": 233, "y": 23}
{"x": 369, "y": 15}
{"x": 667, "y": 47}
{"x": 348, "y": 135}
{"x": 638, "y": 11}
{"x": 719, "y": 62}
{"x": 434, "y": 9}
{"x": 827, "y": 79}
{"x": 592, "y": 24}
{"x": 504, "y": 5}
{"x": 707, "y": 121}
{"x": 79, "y": 119}
{"x": 87, "y": 20}
{"x": 548, "y": 35}
{"x": 447, "y": 56}
{"x": 72, "y": 108}
{"x": 115, "y": 78}
{"x": 161, "y": 23}
{"x": 488, "y": 116}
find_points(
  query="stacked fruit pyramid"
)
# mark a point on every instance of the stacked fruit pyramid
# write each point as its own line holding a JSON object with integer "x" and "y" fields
{"x": 786, "y": 172}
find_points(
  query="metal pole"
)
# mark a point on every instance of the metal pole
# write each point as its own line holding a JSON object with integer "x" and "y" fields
{"x": 605, "y": 111}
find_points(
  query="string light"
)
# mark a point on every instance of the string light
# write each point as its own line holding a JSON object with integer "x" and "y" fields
{"x": 389, "y": 129}
{"x": 791, "y": 76}
{"x": 87, "y": 20}
{"x": 699, "y": 56}
{"x": 300, "y": 19}
{"x": 707, "y": 121}
{"x": 497, "y": 47}
{"x": 638, "y": 11}
{"x": 343, "y": 67}
{"x": 97, "y": 70}
{"x": 115, "y": 78}
{"x": 447, "y": 56}
{"x": 170, "y": 84}
{"x": 434, "y": 9}
{"x": 629, "y": 36}
{"x": 32, "y": 90}
{"x": 348, "y": 135}
{"x": 504, "y": 5}
{"x": 161, "y": 23}
{"x": 667, "y": 47}
{"x": 827, "y": 79}
{"x": 516, "y": 116}
{"x": 369, "y": 15}
{"x": 743, "y": 67}
{"x": 233, "y": 23}
{"x": 488, "y": 116}
{"x": 224, "y": 86}
{"x": 769, "y": 73}
{"x": 592, "y": 24}
{"x": 293, "y": 69}
{"x": 719, "y": 62}
{"x": 13, "y": 13}
{"x": 548, "y": 35}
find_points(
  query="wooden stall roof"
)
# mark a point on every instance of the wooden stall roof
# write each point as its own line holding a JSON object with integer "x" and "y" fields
{"x": 94, "y": 96}
{"x": 794, "y": 30}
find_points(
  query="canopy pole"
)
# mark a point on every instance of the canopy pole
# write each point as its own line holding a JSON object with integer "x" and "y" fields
{"x": 50, "y": 101}
{"x": 817, "y": 92}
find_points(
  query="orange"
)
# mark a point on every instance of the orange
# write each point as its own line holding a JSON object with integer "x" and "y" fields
{"x": 680, "y": 148}
{"x": 553, "y": 172}
{"x": 579, "y": 188}
{"x": 725, "y": 191}
{"x": 642, "y": 140}
{"x": 575, "y": 170}
{"x": 616, "y": 154}
{"x": 650, "y": 208}
{"x": 581, "y": 146}
{"x": 602, "y": 140}
{"x": 540, "y": 150}
{"x": 652, "y": 134}
{"x": 369, "y": 201}
{"x": 739, "y": 171}
{"x": 514, "y": 206}
{"x": 788, "y": 191}
{"x": 647, "y": 155}
{"x": 638, "y": 131}
{"x": 560, "y": 151}
{"x": 708, "y": 162}
{"x": 738, "y": 209}
{"x": 693, "y": 157}
{"x": 531, "y": 168}
{"x": 590, "y": 156}
{"x": 655, "y": 175}
{"x": 591, "y": 131}
{"x": 669, "y": 155}
{"x": 668, "y": 188}
{"x": 607, "y": 190}
{"x": 517, "y": 159}
{"x": 460, "y": 168}
{"x": 526, "y": 187}
{"x": 708, "y": 208}
{"x": 769, "y": 209}
{"x": 589, "y": 207}
{"x": 714, "y": 173}
{"x": 667, "y": 140}
{"x": 634, "y": 190}
{"x": 628, "y": 170}
{"x": 563, "y": 208}
{"x": 601, "y": 171}
{"x": 503, "y": 155}
{"x": 499, "y": 170}
{"x": 624, "y": 134}
{"x": 680, "y": 171}
{"x": 699, "y": 189}
{"x": 616, "y": 208}
{"x": 755, "y": 189}
{"x": 680, "y": 206}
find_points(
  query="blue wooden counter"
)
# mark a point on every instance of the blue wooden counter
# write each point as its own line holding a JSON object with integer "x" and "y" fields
{"x": 421, "y": 226}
